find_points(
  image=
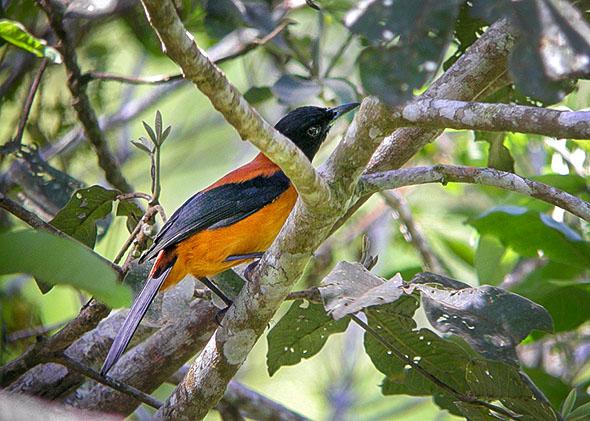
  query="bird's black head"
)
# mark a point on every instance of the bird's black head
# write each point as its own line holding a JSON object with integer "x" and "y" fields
{"x": 308, "y": 127}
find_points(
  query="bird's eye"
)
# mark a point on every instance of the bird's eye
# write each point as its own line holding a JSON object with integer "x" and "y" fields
{"x": 313, "y": 131}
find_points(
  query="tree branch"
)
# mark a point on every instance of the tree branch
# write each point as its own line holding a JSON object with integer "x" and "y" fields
{"x": 372, "y": 183}
{"x": 81, "y": 102}
{"x": 180, "y": 46}
{"x": 15, "y": 143}
{"x": 417, "y": 237}
{"x": 446, "y": 113}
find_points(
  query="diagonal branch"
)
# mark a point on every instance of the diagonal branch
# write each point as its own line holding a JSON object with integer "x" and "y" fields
{"x": 446, "y": 113}
{"x": 431, "y": 262}
{"x": 372, "y": 183}
{"x": 81, "y": 102}
{"x": 181, "y": 47}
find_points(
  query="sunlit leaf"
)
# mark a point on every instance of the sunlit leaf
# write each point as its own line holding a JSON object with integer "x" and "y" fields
{"x": 16, "y": 34}
{"x": 527, "y": 232}
{"x": 61, "y": 261}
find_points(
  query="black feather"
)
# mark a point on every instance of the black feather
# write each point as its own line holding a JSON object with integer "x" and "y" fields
{"x": 138, "y": 310}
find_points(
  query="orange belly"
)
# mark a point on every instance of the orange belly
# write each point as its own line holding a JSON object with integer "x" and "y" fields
{"x": 204, "y": 253}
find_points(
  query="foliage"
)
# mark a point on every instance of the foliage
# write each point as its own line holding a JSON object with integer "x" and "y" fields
{"x": 60, "y": 261}
{"x": 514, "y": 327}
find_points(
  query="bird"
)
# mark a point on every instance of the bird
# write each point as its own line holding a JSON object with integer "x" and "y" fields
{"x": 232, "y": 221}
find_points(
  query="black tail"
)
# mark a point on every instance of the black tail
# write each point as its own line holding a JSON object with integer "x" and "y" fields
{"x": 138, "y": 310}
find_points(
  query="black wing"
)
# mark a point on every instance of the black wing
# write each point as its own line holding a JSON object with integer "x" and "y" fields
{"x": 219, "y": 207}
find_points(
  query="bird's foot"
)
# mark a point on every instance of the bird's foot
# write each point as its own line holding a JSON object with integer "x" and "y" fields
{"x": 249, "y": 271}
{"x": 220, "y": 315}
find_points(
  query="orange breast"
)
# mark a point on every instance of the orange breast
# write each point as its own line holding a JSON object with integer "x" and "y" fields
{"x": 204, "y": 253}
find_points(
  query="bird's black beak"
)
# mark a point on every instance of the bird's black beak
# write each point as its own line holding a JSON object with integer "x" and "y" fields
{"x": 343, "y": 109}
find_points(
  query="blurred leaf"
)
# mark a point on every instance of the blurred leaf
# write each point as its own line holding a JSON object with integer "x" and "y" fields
{"x": 132, "y": 211}
{"x": 498, "y": 155}
{"x": 488, "y": 256}
{"x": 558, "y": 297}
{"x": 408, "y": 41}
{"x": 301, "y": 333}
{"x": 344, "y": 90}
{"x": 61, "y": 261}
{"x": 79, "y": 218}
{"x": 468, "y": 28}
{"x": 229, "y": 282}
{"x": 291, "y": 89}
{"x": 490, "y": 319}
{"x": 568, "y": 403}
{"x": 571, "y": 183}
{"x": 460, "y": 249}
{"x": 47, "y": 187}
{"x": 89, "y": 9}
{"x": 527, "y": 231}
{"x": 256, "y": 94}
{"x": 554, "y": 49}
{"x": 16, "y": 34}
{"x": 349, "y": 288}
{"x": 581, "y": 413}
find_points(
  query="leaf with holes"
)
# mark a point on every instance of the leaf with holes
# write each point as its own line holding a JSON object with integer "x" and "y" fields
{"x": 86, "y": 208}
{"x": 132, "y": 211}
{"x": 350, "y": 287}
{"x": 61, "y": 261}
{"x": 301, "y": 333}
{"x": 492, "y": 320}
{"x": 408, "y": 40}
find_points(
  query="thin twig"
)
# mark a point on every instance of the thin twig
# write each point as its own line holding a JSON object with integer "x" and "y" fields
{"x": 416, "y": 236}
{"x": 338, "y": 54}
{"x": 81, "y": 102}
{"x": 108, "y": 381}
{"x": 449, "y": 389}
{"x": 19, "y": 335}
{"x": 135, "y": 195}
{"x": 14, "y": 145}
{"x": 147, "y": 216}
{"x": 371, "y": 183}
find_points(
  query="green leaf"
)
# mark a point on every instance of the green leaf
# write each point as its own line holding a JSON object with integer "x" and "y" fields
{"x": 555, "y": 288}
{"x": 294, "y": 90}
{"x": 16, "y": 34}
{"x": 350, "y": 287}
{"x": 488, "y": 256}
{"x": 132, "y": 211}
{"x": 499, "y": 156}
{"x": 569, "y": 402}
{"x": 490, "y": 319}
{"x": 61, "y": 261}
{"x": 581, "y": 413}
{"x": 150, "y": 133}
{"x": 495, "y": 380}
{"x": 301, "y": 333}
{"x": 85, "y": 209}
{"x": 158, "y": 124}
{"x": 527, "y": 231}
{"x": 256, "y": 94}
{"x": 142, "y": 145}
{"x": 408, "y": 42}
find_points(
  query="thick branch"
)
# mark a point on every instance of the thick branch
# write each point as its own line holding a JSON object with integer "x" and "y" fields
{"x": 371, "y": 183}
{"x": 81, "y": 102}
{"x": 250, "y": 403}
{"x": 153, "y": 361}
{"x": 180, "y": 46}
{"x": 472, "y": 75}
{"x": 446, "y": 113}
